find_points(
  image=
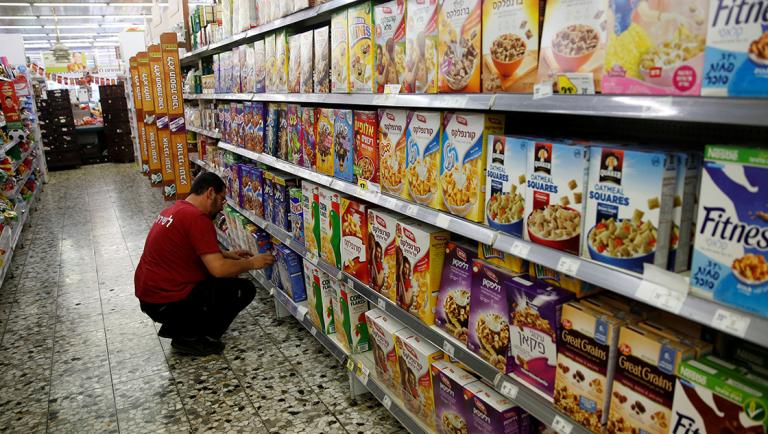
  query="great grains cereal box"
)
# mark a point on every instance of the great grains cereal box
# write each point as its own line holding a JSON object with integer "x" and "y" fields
{"x": 422, "y": 157}
{"x": 339, "y": 53}
{"x": 393, "y": 124}
{"x": 355, "y": 250}
{"x": 449, "y": 381}
{"x": 382, "y": 329}
{"x": 452, "y": 313}
{"x": 382, "y": 234}
{"x": 729, "y": 256}
{"x": 343, "y": 145}
{"x": 270, "y": 60}
{"x": 324, "y": 118}
{"x": 366, "y": 151}
{"x": 360, "y": 24}
{"x": 308, "y": 149}
{"x": 389, "y": 66}
{"x": 309, "y": 210}
{"x": 415, "y": 357}
{"x": 322, "y": 67}
{"x": 420, "y": 259}
{"x": 462, "y": 162}
{"x": 459, "y": 46}
{"x": 351, "y": 327}
{"x": 421, "y": 46}
{"x": 506, "y": 165}
{"x": 510, "y": 54}
{"x": 330, "y": 225}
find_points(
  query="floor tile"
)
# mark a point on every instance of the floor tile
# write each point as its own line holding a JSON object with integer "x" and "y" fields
{"x": 150, "y": 404}
{"x": 87, "y": 411}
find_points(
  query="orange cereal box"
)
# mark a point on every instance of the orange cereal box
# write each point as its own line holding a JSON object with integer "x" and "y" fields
{"x": 510, "y": 45}
{"x": 393, "y": 124}
{"x": 459, "y": 46}
{"x": 366, "y": 153}
{"x": 355, "y": 246}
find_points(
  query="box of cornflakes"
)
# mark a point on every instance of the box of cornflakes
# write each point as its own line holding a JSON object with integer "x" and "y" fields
{"x": 382, "y": 329}
{"x": 294, "y": 64}
{"x": 343, "y": 145}
{"x": 452, "y": 310}
{"x": 415, "y": 357}
{"x": 322, "y": 73}
{"x": 270, "y": 62}
{"x": 310, "y": 208}
{"x": 448, "y": 382}
{"x": 281, "y": 185}
{"x": 307, "y": 61}
{"x": 459, "y": 46}
{"x": 510, "y": 53}
{"x": 686, "y": 188}
{"x": 328, "y": 292}
{"x": 382, "y": 230}
{"x": 314, "y": 294}
{"x": 360, "y": 32}
{"x": 421, "y": 46}
{"x": 366, "y": 152}
{"x": 393, "y": 125}
{"x": 355, "y": 243}
{"x": 294, "y": 136}
{"x": 506, "y": 166}
{"x": 282, "y": 131}
{"x": 339, "y": 53}
{"x": 296, "y": 217}
{"x": 389, "y": 67}
{"x": 420, "y": 256}
{"x": 422, "y": 157}
{"x": 259, "y": 66}
{"x": 308, "y": 156}
{"x": 573, "y": 39}
{"x": 324, "y": 138}
{"x": 330, "y": 225}
{"x": 501, "y": 259}
{"x": 282, "y": 52}
{"x": 491, "y": 412}
{"x": 351, "y": 327}
{"x": 462, "y": 162}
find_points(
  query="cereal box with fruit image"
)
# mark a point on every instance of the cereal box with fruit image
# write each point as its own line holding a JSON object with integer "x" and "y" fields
{"x": 324, "y": 139}
{"x": 355, "y": 250}
{"x": 310, "y": 208}
{"x": 415, "y": 357}
{"x": 360, "y": 25}
{"x": 493, "y": 413}
{"x": 351, "y": 327}
{"x": 382, "y": 234}
{"x": 506, "y": 165}
{"x": 343, "y": 145}
{"x": 322, "y": 74}
{"x": 382, "y": 329}
{"x": 393, "y": 125}
{"x": 339, "y": 53}
{"x": 421, "y": 46}
{"x": 308, "y": 149}
{"x": 459, "y": 46}
{"x": 389, "y": 19}
{"x": 448, "y": 382}
{"x": 422, "y": 157}
{"x": 452, "y": 313}
{"x": 366, "y": 151}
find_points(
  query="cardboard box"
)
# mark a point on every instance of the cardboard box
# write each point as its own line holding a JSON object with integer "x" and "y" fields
{"x": 294, "y": 64}
{"x": 355, "y": 242}
{"x": 283, "y": 132}
{"x": 351, "y": 327}
{"x": 506, "y": 166}
{"x": 322, "y": 75}
{"x": 382, "y": 229}
{"x": 343, "y": 145}
{"x": 501, "y": 259}
{"x": 257, "y": 185}
{"x": 393, "y": 127}
{"x": 389, "y": 21}
{"x": 282, "y": 52}
{"x": 259, "y": 66}
{"x": 269, "y": 196}
{"x": 339, "y": 53}
{"x": 578, "y": 287}
{"x": 415, "y": 357}
{"x": 281, "y": 186}
{"x": 366, "y": 151}
{"x": 422, "y": 156}
{"x": 324, "y": 140}
{"x": 295, "y": 136}
{"x": 310, "y": 209}
{"x": 453, "y": 307}
{"x": 320, "y": 291}
{"x": 307, "y": 50}
{"x": 255, "y": 130}
{"x": 382, "y": 329}
{"x": 296, "y": 217}
{"x": 308, "y": 150}
{"x": 510, "y": 53}
{"x": 686, "y": 188}
{"x": 270, "y": 129}
{"x": 449, "y": 382}
{"x": 459, "y": 49}
{"x": 421, "y": 46}
{"x": 330, "y": 225}
{"x": 360, "y": 33}
{"x": 491, "y": 412}
{"x": 290, "y": 267}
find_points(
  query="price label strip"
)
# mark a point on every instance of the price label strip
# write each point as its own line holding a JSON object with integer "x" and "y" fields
{"x": 561, "y": 426}
{"x": 509, "y": 390}
{"x": 363, "y": 373}
{"x": 569, "y": 266}
{"x": 520, "y": 249}
{"x": 731, "y": 322}
{"x": 661, "y": 297}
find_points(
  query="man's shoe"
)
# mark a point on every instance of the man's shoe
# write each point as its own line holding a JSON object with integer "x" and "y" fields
{"x": 197, "y": 346}
{"x": 165, "y": 332}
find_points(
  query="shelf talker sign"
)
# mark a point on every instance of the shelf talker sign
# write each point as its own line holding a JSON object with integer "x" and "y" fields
{"x": 136, "y": 90}
{"x": 148, "y": 106}
{"x": 158, "y": 75}
{"x": 175, "y": 100}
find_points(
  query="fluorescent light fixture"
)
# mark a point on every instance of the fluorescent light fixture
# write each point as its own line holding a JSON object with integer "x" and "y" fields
{"x": 18, "y": 17}
{"x": 21, "y": 27}
{"x": 131, "y": 16}
{"x": 118, "y": 25}
{"x": 14, "y": 4}
{"x": 36, "y": 35}
{"x": 79, "y": 26}
{"x": 75, "y": 4}
{"x": 70, "y": 17}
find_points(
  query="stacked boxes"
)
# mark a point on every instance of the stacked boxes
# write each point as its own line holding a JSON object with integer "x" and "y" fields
{"x": 355, "y": 242}
{"x": 116, "y": 124}
{"x": 382, "y": 329}
{"x": 57, "y": 126}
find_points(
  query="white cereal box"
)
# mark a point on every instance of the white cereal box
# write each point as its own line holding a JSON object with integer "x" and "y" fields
{"x": 422, "y": 157}
{"x": 322, "y": 66}
{"x": 506, "y": 166}
{"x": 307, "y": 61}
{"x": 339, "y": 53}
{"x": 686, "y": 187}
{"x": 259, "y": 66}
{"x": 389, "y": 21}
{"x": 313, "y": 285}
{"x": 294, "y": 64}
{"x": 459, "y": 46}
{"x": 328, "y": 293}
{"x": 360, "y": 25}
{"x": 382, "y": 329}
{"x": 282, "y": 53}
{"x": 270, "y": 59}
{"x": 382, "y": 229}
{"x": 421, "y": 46}
{"x": 629, "y": 207}
{"x": 510, "y": 54}
{"x": 415, "y": 357}
{"x": 351, "y": 328}
{"x": 393, "y": 124}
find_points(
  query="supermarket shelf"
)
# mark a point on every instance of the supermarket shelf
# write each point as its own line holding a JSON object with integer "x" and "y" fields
{"x": 24, "y": 156}
{"x": 20, "y": 184}
{"x": 222, "y": 238}
{"x": 205, "y": 132}
{"x": 16, "y": 235}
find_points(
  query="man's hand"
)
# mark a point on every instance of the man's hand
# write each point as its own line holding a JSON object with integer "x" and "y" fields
{"x": 261, "y": 261}
{"x": 237, "y": 254}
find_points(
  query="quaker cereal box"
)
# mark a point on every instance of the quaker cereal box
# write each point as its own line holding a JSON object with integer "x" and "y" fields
{"x": 352, "y": 329}
{"x": 366, "y": 152}
{"x": 501, "y": 259}
{"x": 462, "y": 163}
{"x": 422, "y": 157}
{"x": 510, "y": 55}
{"x": 270, "y": 129}
{"x": 415, "y": 357}
{"x": 421, "y": 46}
{"x": 573, "y": 39}
{"x": 296, "y": 216}
{"x": 270, "y": 58}
{"x": 534, "y": 320}
{"x": 343, "y": 145}
{"x": 294, "y": 64}
{"x": 382, "y": 329}
{"x": 339, "y": 53}
{"x": 355, "y": 250}
{"x": 281, "y": 58}
{"x": 452, "y": 312}
{"x": 459, "y": 46}
{"x": 360, "y": 24}
{"x": 330, "y": 225}
{"x": 554, "y": 195}
{"x": 295, "y": 136}
{"x": 656, "y": 48}
{"x": 389, "y": 67}
{"x": 321, "y": 83}
{"x": 586, "y": 361}
{"x": 448, "y": 382}
{"x": 308, "y": 143}
{"x": 490, "y": 412}
{"x": 644, "y": 381}
{"x": 729, "y": 258}
{"x": 382, "y": 234}
{"x": 307, "y": 61}
{"x": 259, "y": 66}
{"x": 505, "y": 183}
{"x": 324, "y": 119}
{"x": 393, "y": 124}
{"x": 629, "y": 207}
{"x": 310, "y": 208}
{"x": 419, "y": 258}
{"x": 684, "y": 203}
{"x": 736, "y": 56}
{"x": 579, "y": 288}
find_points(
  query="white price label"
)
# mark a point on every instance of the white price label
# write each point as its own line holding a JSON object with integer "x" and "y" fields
{"x": 561, "y": 426}
{"x": 313, "y": 331}
{"x": 411, "y": 210}
{"x": 311, "y": 257}
{"x": 382, "y": 304}
{"x": 364, "y": 373}
{"x": 390, "y": 89}
{"x": 455, "y": 101}
{"x": 569, "y": 266}
{"x": 542, "y": 90}
{"x": 661, "y": 297}
{"x": 448, "y": 348}
{"x": 520, "y": 249}
{"x": 386, "y": 402}
{"x": 442, "y": 221}
{"x": 301, "y": 312}
{"x": 731, "y": 322}
{"x": 509, "y": 390}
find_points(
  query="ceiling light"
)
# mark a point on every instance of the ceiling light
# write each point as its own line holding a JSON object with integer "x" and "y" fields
{"x": 14, "y": 4}
{"x": 17, "y": 17}
{"x": 69, "y": 17}
{"x": 79, "y": 26}
{"x": 119, "y": 25}
{"x": 21, "y": 27}
{"x": 131, "y": 16}
{"x": 70, "y": 4}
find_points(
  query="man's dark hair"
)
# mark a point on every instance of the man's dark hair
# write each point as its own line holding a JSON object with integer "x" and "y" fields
{"x": 206, "y": 180}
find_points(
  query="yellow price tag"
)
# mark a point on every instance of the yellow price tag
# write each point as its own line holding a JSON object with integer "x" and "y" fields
{"x": 350, "y": 364}
{"x": 566, "y": 86}
{"x": 363, "y": 184}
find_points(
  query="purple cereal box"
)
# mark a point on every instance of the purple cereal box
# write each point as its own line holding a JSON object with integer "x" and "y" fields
{"x": 490, "y": 412}
{"x": 269, "y": 196}
{"x": 448, "y": 383}
{"x": 296, "y": 217}
{"x": 257, "y": 139}
{"x": 308, "y": 130}
{"x": 452, "y": 312}
{"x": 257, "y": 181}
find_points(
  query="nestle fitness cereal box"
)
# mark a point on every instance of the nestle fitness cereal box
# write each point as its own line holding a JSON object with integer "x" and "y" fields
{"x": 449, "y": 381}
{"x": 382, "y": 329}
{"x": 366, "y": 150}
{"x": 415, "y": 357}
{"x": 324, "y": 118}
{"x": 339, "y": 53}
{"x": 322, "y": 69}
{"x": 506, "y": 166}
{"x": 452, "y": 313}
{"x": 355, "y": 248}
{"x": 422, "y": 157}
{"x": 393, "y": 124}
{"x": 421, "y": 46}
{"x": 360, "y": 24}
{"x": 351, "y": 327}
{"x": 343, "y": 145}
{"x": 389, "y": 21}
{"x": 382, "y": 234}
{"x": 459, "y": 45}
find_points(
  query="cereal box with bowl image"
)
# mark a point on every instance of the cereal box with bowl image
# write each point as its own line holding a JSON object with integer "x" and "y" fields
{"x": 343, "y": 145}
{"x": 330, "y": 225}
{"x": 452, "y": 311}
{"x": 490, "y": 412}
{"x": 629, "y": 207}
{"x": 555, "y": 194}
{"x": 421, "y": 46}
{"x": 655, "y": 48}
{"x": 419, "y": 260}
{"x": 294, "y": 135}
{"x": 573, "y": 39}
{"x": 501, "y": 259}
{"x": 355, "y": 250}
{"x": 307, "y": 48}
{"x": 729, "y": 256}
{"x": 281, "y": 61}
{"x": 462, "y": 161}
{"x": 339, "y": 53}
{"x": 294, "y": 64}
{"x": 351, "y": 327}
{"x": 448, "y": 382}
{"x": 259, "y": 66}
{"x": 382, "y": 242}
{"x": 360, "y": 25}
{"x": 459, "y": 46}
{"x": 415, "y": 357}
{"x": 281, "y": 186}
{"x": 290, "y": 267}
{"x": 310, "y": 209}
{"x": 389, "y": 21}
{"x": 393, "y": 126}
{"x": 321, "y": 74}
{"x": 324, "y": 138}
{"x": 382, "y": 329}
{"x": 308, "y": 151}
{"x": 270, "y": 62}
{"x": 296, "y": 216}
{"x": 366, "y": 152}
{"x": 506, "y": 166}
{"x": 422, "y": 157}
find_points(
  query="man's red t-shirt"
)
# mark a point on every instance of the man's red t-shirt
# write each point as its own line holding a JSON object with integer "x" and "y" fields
{"x": 170, "y": 265}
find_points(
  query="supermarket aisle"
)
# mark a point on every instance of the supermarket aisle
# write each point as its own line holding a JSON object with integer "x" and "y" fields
{"x": 77, "y": 355}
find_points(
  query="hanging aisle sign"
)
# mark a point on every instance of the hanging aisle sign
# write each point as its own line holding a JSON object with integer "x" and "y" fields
{"x": 148, "y": 106}
{"x": 136, "y": 91}
{"x": 173, "y": 91}
{"x": 157, "y": 73}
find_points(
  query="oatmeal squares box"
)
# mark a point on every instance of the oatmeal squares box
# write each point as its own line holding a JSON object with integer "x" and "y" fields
{"x": 510, "y": 52}
{"x": 343, "y": 145}
{"x": 296, "y": 216}
{"x": 294, "y": 64}
{"x": 506, "y": 165}
{"x": 310, "y": 209}
{"x": 351, "y": 327}
{"x": 389, "y": 66}
{"x": 330, "y": 225}
{"x": 366, "y": 152}
{"x": 452, "y": 313}
{"x": 491, "y": 412}
{"x": 270, "y": 62}
{"x": 307, "y": 48}
{"x": 360, "y": 33}
{"x": 324, "y": 138}
{"x": 282, "y": 53}
{"x": 339, "y": 53}
{"x": 295, "y": 136}
{"x": 382, "y": 232}
{"x": 459, "y": 46}
{"x": 393, "y": 126}
{"x": 686, "y": 188}
{"x": 415, "y": 357}
{"x": 321, "y": 73}
{"x": 422, "y": 157}
{"x": 308, "y": 155}
{"x": 382, "y": 329}
{"x": 259, "y": 66}
{"x": 355, "y": 247}
{"x": 421, "y": 46}
{"x": 448, "y": 383}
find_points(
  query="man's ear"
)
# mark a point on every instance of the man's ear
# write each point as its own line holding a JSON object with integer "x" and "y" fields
{"x": 210, "y": 193}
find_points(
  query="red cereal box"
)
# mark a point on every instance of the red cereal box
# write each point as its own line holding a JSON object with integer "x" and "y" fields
{"x": 355, "y": 252}
{"x": 366, "y": 152}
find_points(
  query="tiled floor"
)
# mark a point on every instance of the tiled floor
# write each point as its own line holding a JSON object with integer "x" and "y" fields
{"x": 77, "y": 354}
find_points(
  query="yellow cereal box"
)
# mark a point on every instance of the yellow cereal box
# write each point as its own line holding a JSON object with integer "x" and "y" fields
{"x": 360, "y": 23}
{"x": 270, "y": 60}
{"x": 389, "y": 19}
{"x": 324, "y": 140}
{"x": 501, "y": 259}
{"x": 459, "y": 47}
{"x": 422, "y": 157}
{"x": 310, "y": 208}
{"x": 415, "y": 357}
{"x": 281, "y": 63}
{"x": 393, "y": 124}
{"x": 421, "y": 46}
{"x": 510, "y": 45}
{"x": 339, "y": 53}
{"x": 382, "y": 231}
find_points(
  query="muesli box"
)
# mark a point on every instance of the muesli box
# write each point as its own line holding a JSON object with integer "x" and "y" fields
{"x": 393, "y": 124}
{"x": 630, "y": 199}
{"x": 310, "y": 208}
{"x": 382, "y": 232}
{"x": 307, "y": 61}
{"x": 360, "y": 25}
{"x": 343, "y": 145}
{"x": 296, "y": 216}
{"x": 330, "y": 225}
{"x": 382, "y": 329}
{"x": 339, "y": 53}
{"x": 422, "y": 157}
{"x": 492, "y": 413}
{"x": 270, "y": 61}
{"x": 389, "y": 19}
{"x": 324, "y": 119}
{"x": 459, "y": 46}
{"x": 295, "y": 136}
{"x": 421, "y": 46}
{"x": 506, "y": 166}
{"x": 448, "y": 382}
{"x": 510, "y": 55}
{"x": 351, "y": 326}
{"x": 366, "y": 152}
{"x": 452, "y": 313}
{"x": 355, "y": 247}
{"x": 415, "y": 357}
{"x": 294, "y": 64}
{"x": 321, "y": 73}
{"x": 308, "y": 155}
{"x": 259, "y": 66}
{"x": 281, "y": 61}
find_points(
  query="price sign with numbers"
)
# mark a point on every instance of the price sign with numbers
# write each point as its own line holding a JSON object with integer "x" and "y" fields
{"x": 313, "y": 331}
{"x": 390, "y": 89}
{"x": 576, "y": 83}
{"x": 364, "y": 373}
{"x": 561, "y": 426}
{"x": 569, "y": 266}
{"x": 382, "y": 304}
{"x": 448, "y": 348}
{"x": 731, "y": 322}
{"x": 386, "y": 402}
{"x": 661, "y": 297}
{"x": 350, "y": 365}
{"x": 411, "y": 210}
{"x": 542, "y": 90}
{"x": 509, "y": 390}
{"x": 520, "y": 249}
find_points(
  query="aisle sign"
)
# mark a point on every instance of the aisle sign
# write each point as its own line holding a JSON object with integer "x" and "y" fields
{"x": 157, "y": 72}
{"x": 176, "y": 121}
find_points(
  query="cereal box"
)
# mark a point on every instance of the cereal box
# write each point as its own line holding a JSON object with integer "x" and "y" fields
{"x": 351, "y": 327}
{"x": 510, "y": 55}
{"x": 259, "y": 66}
{"x": 328, "y": 292}
{"x": 339, "y": 53}
{"x": 324, "y": 119}
{"x": 294, "y": 64}
{"x": 382, "y": 231}
{"x": 310, "y": 208}
{"x": 314, "y": 295}
{"x": 422, "y": 157}
{"x": 307, "y": 61}
{"x": 573, "y": 38}
{"x": 459, "y": 46}
{"x": 382, "y": 329}
{"x": 686, "y": 187}
{"x": 452, "y": 313}
{"x": 389, "y": 19}
{"x": 330, "y": 225}
{"x": 534, "y": 320}
{"x": 729, "y": 258}
{"x": 501, "y": 259}
{"x": 506, "y": 165}
{"x": 586, "y": 360}
{"x": 644, "y": 381}
{"x": 415, "y": 357}
{"x": 270, "y": 129}
{"x": 578, "y": 287}
{"x": 419, "y": 256}
{"x": 270, "y": 61}
{"x": 393, "y": 124}
{"x": 668, "y": 330}
{"x": 308, "y": 156}
{"x": 321, "y": 82}
{"x": 295, "y": 136}
{"x": 281, "y": 185}
{"x": 462, "y": 163}
{"x": 490, "y": 412}
{"x": 256, "y": 128}
{"x": 360, "y": 24}
{"x": 554, "y": 195}
{"x": 366, "y": 153}
{"x": 281, "y": 61}
{"x": 421, "y": 46}
{"x": 448, "y": 382}
{"x": 248, "y": 74}
{"x": 282, "y": 132}
{"x": 629, "y": 207}
{"x": 296, "y": 216}
{"x": 343, "y": 145}
{"x": 290, "y": 268}
{"x": 355, "y": 247}
{"x": 237, "y": 68}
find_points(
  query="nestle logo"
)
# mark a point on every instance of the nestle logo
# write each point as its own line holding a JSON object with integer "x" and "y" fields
{"x": 462, "y": 120}
{"x": 421, "y": 118}
{"x": 391, "y": 117}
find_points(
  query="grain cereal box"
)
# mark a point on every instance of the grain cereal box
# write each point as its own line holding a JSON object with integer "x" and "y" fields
{"x": 422, "y": 157}
{"x": 506, "y": 165}
{"x": 330, "y": 225}
{"x": 448, "y": 382}
{"x": 554, "y": 195}
{"x": 310, "y": 207}
{"x": 629, "y": 207}
{"x": 501, "y": 259}
{"x": 415, "y": 357}
{"x": 491, "y": 412}
{"x": 270, "y": 59}
{"x": 294, "y": 64}
{"x": 343, "y": 145}
{"x": 382, "y": 329}
{"x": 421, "y": 46}
{"x": 281, "y": 185}
{"x": 573, "y": 39}
{"x": 586, "y": 360}
{"x": 281, "y": 61}
{"x": 321, "y": 73}
{"x": 296, "y": 217}
{"x": 306, "y": 46}
{"x": 248, "y": 74}
{"x": 259, "y": 66}
{"x": 393, "y": 124}
{"x": 452, "y": 313}
{"x": 382, "y": 234}
{"x": 360, "y": 24}
{"x": 686, "y": 188}
{"x": 389, "y": 67}
{"x": 269, "y": 196}
{"x": 309, "y": 156}
{"x": 352, "y": 329}
{"x": 420, "y": 255}
{"x": 282, "y": 131}
{"x": 324, "y": 119}
{"x": 510, "y": 55}
{"x": 366, "y": 152}
{"x": 314, "y": 295}
{"x": 355, "y": 250}
{"x": 462, "y": 162}
{"x": 339, "y": 53}
{"x": 459, "y": 46}
{"x": 294, "y": 136}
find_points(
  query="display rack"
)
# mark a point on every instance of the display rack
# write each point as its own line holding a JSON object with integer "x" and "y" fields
{"x": 205, "y": 132}
{"x": 16, "y": 231}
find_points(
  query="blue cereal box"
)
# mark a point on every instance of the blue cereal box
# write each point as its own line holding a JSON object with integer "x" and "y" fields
{"x": 343, "y": 141}
{"x": 290, "y": 267}
{"x": 296, "y": 216}
{"x": 729, "y": 256}
{"x": 281, "y": 185}
{"x": 269, "y": 196}
{"x": 505, "y": 183}
{"x": 270, "y": 129}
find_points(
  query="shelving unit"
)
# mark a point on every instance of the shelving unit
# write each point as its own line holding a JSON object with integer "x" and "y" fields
{"x": 16, "y": 233}
{"x": 208, "y": 133}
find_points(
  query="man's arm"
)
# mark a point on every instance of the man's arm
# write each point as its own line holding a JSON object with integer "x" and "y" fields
{"x": 220, "y": 266}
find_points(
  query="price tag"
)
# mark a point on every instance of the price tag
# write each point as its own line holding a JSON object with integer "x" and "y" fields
{"x": 448, "y": 348}
{"x": 455, "y": 101}
{"x": 661, "y": 297}
{"x": 301, "y": 312}
{"x": 386, "y": 402}
{"x": 731, "y": 322}
{"x": 577, "y": 83}
{"x": 390, "y": 89}
{"x": 382, "y": 304}
{"x": 311, "y": 257}
{"x": 561, "y": 426}
{"x": 520, "y": 249}
{"x": 411, "y": 210}
{"x": 542, "y": 90}
{"x": 442, "y": 221}
{"x": 569, "y": 266}
{"x": 509, "y": 390}
{"x": 364, "y": 373}
{"x": 313, "y": 331}
{"x": 350, "y": 365}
